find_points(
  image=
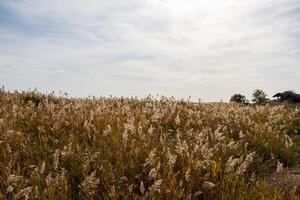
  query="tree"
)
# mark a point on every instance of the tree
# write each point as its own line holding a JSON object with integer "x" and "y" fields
{"x": 259, "y": 97}
{"x": 238, "y": 98}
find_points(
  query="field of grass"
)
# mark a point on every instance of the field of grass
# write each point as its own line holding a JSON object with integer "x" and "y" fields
{"x": 119, "y": 148}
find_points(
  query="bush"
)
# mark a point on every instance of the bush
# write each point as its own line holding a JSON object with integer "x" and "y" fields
{"x": 238, "y": 98}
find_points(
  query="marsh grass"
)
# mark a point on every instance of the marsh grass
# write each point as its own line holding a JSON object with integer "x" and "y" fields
{"x": 124, "y": 148}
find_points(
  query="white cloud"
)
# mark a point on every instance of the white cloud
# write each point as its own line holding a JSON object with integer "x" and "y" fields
{"x": 207, "y": 49}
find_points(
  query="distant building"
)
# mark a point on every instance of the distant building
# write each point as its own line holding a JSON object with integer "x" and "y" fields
{"x": 288, "y": 97}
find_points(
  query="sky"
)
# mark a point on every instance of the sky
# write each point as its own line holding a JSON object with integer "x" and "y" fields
{"x": 198, "y": 48}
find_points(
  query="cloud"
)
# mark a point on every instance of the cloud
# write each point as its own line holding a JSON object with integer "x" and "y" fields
{"x": 207, "y": 49}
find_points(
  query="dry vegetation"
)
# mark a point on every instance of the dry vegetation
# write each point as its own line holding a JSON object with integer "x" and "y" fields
{"x": 112, "y": 148}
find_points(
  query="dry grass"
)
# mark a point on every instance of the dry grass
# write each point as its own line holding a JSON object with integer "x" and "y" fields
{"x": 111, "y": 148}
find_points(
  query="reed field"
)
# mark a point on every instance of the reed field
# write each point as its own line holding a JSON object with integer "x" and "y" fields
{"x": 58, "y": 147}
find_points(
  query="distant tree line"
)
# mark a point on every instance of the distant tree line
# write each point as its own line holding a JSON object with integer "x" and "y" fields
{"x": 258, "y": 97}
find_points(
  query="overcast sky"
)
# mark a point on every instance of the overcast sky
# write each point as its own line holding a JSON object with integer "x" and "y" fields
{"x": 208, "y": 49}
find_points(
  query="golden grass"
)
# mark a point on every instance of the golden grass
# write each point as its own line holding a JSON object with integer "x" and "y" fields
{"x": 118, "y": 148}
